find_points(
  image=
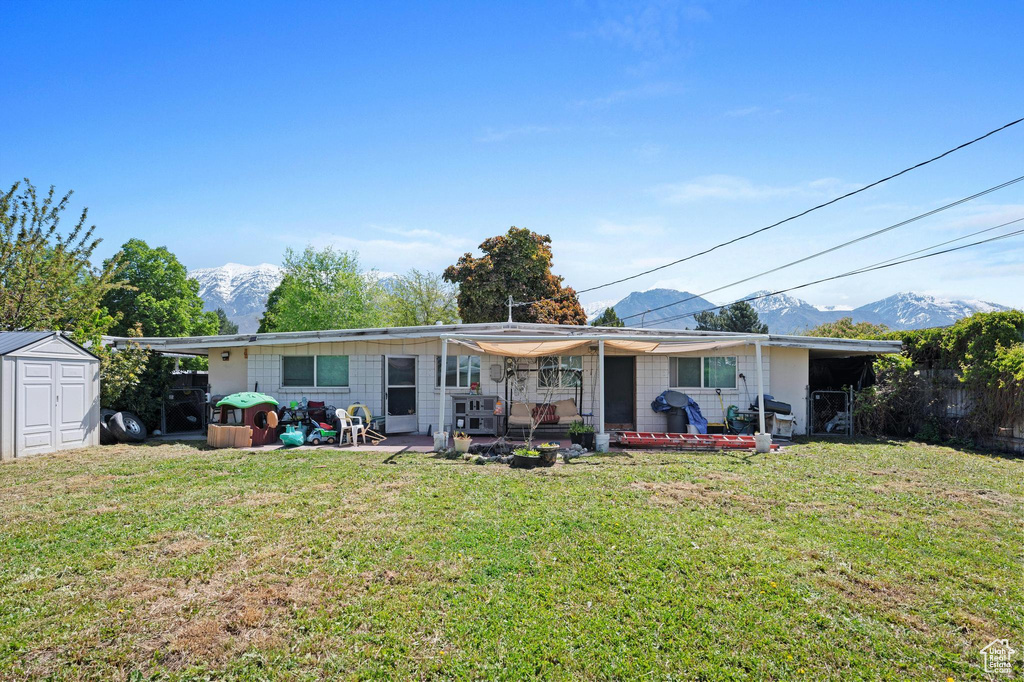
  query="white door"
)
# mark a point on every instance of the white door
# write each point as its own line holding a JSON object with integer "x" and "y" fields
{"x": 74, "y": 398}
{"x": 36, "y": 407}
{"x": 400, "y": 394}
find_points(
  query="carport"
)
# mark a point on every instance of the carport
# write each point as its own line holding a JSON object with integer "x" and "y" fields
{"x": 49, "y": 394}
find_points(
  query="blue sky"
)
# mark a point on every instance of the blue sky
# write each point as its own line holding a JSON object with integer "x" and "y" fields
{"x": 632, "y": 133}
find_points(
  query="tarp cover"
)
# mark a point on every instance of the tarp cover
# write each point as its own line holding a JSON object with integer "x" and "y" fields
{"x": 536, "y": 349}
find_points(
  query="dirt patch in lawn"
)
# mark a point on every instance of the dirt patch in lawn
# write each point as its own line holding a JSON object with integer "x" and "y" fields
{"x": 703, "y": 495}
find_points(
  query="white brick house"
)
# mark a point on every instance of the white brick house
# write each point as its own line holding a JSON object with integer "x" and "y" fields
{"x": 349, "y": 366}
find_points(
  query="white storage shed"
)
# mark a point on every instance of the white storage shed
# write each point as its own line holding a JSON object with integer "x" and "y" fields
{"x": 49, "y": 394}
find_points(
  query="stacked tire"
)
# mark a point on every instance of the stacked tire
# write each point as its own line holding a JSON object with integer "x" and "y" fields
{"x": 121, "y": 427}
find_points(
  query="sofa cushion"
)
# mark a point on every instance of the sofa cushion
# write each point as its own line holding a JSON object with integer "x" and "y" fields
{"x": 520, "y": 410}
{"x": 545, "y": 414}
{"x": 570, "y": 419}
{"x": 566, "y": 408}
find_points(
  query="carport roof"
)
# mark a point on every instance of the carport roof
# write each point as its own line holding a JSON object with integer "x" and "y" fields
{"x": 12, "y": 341}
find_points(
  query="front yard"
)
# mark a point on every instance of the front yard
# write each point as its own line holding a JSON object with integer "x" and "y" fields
{"x": 823, "y": 561}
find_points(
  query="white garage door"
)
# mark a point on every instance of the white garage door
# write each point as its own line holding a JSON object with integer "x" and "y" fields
{"x": 53, "y": 400}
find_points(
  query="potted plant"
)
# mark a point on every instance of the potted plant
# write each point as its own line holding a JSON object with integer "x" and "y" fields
{"x": 462, "y": 442}
{"x": 582, "y": 434}
{"x": 548, "y": 453}
{"x": 523, "y": 458}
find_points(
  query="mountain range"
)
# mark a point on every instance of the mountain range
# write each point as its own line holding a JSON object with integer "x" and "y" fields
{"x": 242, "y": 290}
{"x": 786, "y": 314}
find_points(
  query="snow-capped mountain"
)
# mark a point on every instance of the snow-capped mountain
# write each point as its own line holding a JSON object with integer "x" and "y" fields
{"x": 908, "y": 310}
{"x": 241, "y": 290}
{"x": 674, "y": 316}
{"x": 786, "y": 314}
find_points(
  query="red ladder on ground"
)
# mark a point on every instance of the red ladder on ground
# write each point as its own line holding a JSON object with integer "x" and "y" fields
{"x": 691, "y": 441}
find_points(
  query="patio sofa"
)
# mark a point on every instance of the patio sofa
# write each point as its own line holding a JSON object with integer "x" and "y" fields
{"x": 556, "y": 416}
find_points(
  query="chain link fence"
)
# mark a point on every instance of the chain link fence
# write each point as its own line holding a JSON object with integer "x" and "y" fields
{"x": 829, "y": 413}
{"x": 184, "y": 410}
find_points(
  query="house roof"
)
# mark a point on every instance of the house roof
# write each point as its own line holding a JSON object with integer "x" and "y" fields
{"x": 12, "y": 341}
{"x": 202, "y": 345}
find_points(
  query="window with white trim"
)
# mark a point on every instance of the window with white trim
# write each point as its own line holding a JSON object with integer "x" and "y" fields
{"x": 702, "y": 372}
{"x": 462, "y": 371}
{"x": 314, "y": 371}
{"x": 565, "y": 371}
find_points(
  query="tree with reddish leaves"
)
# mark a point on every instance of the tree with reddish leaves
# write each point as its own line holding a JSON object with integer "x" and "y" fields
{"x": 517, "y": 263}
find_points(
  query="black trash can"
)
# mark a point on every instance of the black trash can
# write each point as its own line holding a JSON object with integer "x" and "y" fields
{"x": 676, "y": 420}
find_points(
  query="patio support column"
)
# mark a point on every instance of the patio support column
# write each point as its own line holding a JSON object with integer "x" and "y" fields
{"x": 600, "y": 374}
{"x": 760, "y": 385}
{"x": 444, "y": 384}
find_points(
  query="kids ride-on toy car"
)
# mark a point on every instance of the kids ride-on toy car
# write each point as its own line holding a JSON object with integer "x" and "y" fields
{"x": 322, "y": 433}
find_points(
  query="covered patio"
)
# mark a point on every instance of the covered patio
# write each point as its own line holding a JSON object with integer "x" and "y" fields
{"x": 535, "y": 346}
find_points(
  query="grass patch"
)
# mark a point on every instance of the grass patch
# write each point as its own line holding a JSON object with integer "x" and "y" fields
{"x": 823, "y": 561}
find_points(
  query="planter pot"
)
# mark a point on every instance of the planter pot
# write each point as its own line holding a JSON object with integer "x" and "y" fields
{"x": 525, "y": 462}
{"x": 587, "y": 441}
{"x": 548, "y": 456}
{"x": 576, "y": 438}
{"x": 462, "y": 444}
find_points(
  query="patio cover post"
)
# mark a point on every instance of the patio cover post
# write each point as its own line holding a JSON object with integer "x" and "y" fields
{"x": 600, "y": 374}
{"x": 444, "y": 382}
{"x": 760, "y": 385}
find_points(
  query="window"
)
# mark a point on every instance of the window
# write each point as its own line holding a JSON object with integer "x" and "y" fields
{"x": 706, "y": 372}
{"x": 314, "y": 371}
{"x": 685, "y": 372}
{"x": 564, "y": 371}
{"x": 462, "y": 371}
{"x": 720, "y": 372}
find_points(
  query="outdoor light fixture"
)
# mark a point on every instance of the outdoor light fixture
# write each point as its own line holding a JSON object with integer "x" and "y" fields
{"x": 225, "y": 355}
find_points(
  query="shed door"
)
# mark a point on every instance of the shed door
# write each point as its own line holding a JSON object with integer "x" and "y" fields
{"x": 74, "y": 397}
{"x": 36, "y": 398}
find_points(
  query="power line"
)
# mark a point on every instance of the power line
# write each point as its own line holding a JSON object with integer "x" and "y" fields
{"x": 881, "y": 265}
{"x": 784, "y": 220}
{"x": 834, "y": 248}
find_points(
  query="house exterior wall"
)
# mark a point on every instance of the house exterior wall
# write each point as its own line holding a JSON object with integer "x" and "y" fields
{"x": 263, "y": 365}
{"x": 231, "y": 375}
{"x": 791, "y": 380}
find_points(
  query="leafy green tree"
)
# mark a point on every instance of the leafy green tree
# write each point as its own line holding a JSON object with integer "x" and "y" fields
{"x": 609, "y": 318}
{"x": 324, "y": 289}
{"x": 421, "y": 298}
{"x": 845, "y": 328}
{"x": 160, "y": 296}
{"x": 225, "y": 326}
{"x": 46, "y": 278}
{"x": 517, "y": 263}
{"x": 738, "y": 317}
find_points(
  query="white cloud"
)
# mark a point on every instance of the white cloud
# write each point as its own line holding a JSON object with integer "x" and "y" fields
{"x": 651, "y": 28}
{"x": 736, "y": 188}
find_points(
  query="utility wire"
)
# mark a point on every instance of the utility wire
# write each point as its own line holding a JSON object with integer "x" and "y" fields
{"x": 784, "y": 220}
{"x": 833, "y": 248}
{"x": 881, "y": 265}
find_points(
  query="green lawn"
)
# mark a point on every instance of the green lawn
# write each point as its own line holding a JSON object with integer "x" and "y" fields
{"x": 826, "y": 560}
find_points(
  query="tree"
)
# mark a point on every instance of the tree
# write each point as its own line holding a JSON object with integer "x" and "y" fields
{"x": 46, "y": 278}
{"x": 517, "y": 263}
{"x": 421, "y": 298}
{"x": 845, "y": 328}
{"x": 738, "y": 317}
{"x": 160, "y": 296}
{"x": 225, "y": 326}
{"x": 323, "y": 289}
{"x": 609, "y": 318}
